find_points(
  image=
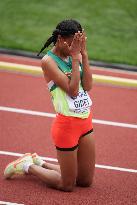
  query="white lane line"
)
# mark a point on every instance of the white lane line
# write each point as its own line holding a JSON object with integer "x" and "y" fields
{"x": 44, "y": 114}
{"x": 15, "y": 154}
{"x": 117, "y": 124}
{"x": 28, "y": 112}
{"x": 8, "y": 203}
{"x": 116, "y": 168}
{"x": 55, "y": 160}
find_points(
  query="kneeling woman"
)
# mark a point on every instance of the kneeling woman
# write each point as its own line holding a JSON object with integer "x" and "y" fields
{"x": 68, "y": 76}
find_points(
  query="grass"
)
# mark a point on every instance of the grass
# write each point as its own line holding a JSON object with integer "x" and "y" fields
{"x": 111, "y": 26}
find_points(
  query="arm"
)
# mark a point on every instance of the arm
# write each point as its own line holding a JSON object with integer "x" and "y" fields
{"x": 87, "y": 72}
{"x": 75, "y": 77}
{"x": 51, "y": 71}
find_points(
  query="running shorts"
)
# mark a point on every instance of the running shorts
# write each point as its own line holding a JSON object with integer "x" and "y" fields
{"x": 66, "y": 131}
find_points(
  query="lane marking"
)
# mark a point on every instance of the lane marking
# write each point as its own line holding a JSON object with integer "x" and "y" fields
{"x": 96, "y": 77}
{"x": 55, "y": 160}
{"x": 45, "y": 114}
{"x": 9, "y": 203}
{"x": 117, "y": 124}
{"x": 15, "y": 154}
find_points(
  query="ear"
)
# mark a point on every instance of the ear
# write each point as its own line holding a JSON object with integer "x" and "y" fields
{"x": 58, "y": 40}
{"x": 59, "y": 37}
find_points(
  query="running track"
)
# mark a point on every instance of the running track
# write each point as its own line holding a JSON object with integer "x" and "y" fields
{"x": 116, "y": 146}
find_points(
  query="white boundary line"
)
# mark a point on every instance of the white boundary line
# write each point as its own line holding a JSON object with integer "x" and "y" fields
{"x": 8, "y": 203}
{"x": 44, "y": 114}
{"x": 55, "y": 160}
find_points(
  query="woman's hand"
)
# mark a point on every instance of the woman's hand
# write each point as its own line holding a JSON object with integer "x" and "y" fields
{"x": 83, "y": 44}
{"x": 75, "y": 47}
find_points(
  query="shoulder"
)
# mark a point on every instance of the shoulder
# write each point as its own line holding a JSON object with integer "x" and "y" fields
{"x": 47, "y": 61}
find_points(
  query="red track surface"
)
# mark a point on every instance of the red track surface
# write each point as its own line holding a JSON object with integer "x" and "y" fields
{"x": 115, "y": 146}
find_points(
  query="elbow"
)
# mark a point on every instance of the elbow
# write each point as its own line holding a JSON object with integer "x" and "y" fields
{"x": 87, "y": 88}
{"x": 73, "y": 93}
{"x": 87, "y": 85}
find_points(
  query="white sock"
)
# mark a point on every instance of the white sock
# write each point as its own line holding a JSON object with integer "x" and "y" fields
{"x": 26, "y": 166}
{"x": 42, "y": 164}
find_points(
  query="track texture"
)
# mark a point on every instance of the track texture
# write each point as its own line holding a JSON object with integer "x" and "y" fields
{"x": 115, "y": 146}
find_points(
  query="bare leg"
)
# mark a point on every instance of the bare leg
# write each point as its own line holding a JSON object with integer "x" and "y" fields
{"x": 50, "y": 166}
{"x": 51, "y": 177}
{"x": 68, "y": 165}
{"x": 86, "y": 161}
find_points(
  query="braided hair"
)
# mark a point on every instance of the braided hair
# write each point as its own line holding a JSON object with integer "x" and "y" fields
{"x": 65, "y": 28}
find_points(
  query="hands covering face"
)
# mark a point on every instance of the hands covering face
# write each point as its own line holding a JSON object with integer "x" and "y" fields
{"x": 83, "y": 43}
{"x": 78, "y": 44}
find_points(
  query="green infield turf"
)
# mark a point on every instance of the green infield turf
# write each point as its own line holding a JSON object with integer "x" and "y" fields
{"x": 111, "y": 25}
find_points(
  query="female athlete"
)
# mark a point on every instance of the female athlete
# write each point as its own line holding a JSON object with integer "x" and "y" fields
{"x": 68, "y": 76}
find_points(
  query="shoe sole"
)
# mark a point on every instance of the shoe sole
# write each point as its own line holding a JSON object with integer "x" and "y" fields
{"x": 14, "y": 163}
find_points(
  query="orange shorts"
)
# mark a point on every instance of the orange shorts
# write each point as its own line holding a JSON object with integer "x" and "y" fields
{"x": 66, "y": 131}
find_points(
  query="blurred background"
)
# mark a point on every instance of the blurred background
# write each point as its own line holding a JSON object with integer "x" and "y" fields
{"x": 111, "y": 25}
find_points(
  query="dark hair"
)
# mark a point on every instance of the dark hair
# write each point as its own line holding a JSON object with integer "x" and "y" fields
{"x": 64, "y": 28}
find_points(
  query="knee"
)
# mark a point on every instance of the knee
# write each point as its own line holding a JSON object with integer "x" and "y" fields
{"x": 87, "y": 183}
{"x": 67, "y": 187}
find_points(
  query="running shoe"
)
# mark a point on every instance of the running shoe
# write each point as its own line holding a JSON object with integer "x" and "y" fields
{"x": 17, "y": 166}
{"x": 37, "y": 159}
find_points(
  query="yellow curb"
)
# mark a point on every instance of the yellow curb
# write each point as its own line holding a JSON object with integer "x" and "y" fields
{"x": 36, "y": 70}
{"x": 115, "y": 80}
{"x": 20, "y": 68}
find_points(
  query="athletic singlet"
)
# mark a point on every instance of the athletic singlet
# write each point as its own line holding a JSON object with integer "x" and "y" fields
{"x": 63, "y": 103}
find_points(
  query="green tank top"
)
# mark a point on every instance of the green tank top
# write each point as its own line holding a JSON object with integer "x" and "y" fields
{"x": 63, "y": 103}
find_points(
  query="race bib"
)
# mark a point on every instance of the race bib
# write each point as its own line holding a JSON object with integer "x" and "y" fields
{"x": 79, "y": 104}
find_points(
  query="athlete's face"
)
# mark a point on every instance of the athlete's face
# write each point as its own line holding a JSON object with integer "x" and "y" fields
{"x": 62, "y": 46}
{"x": 68, "y": 40}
